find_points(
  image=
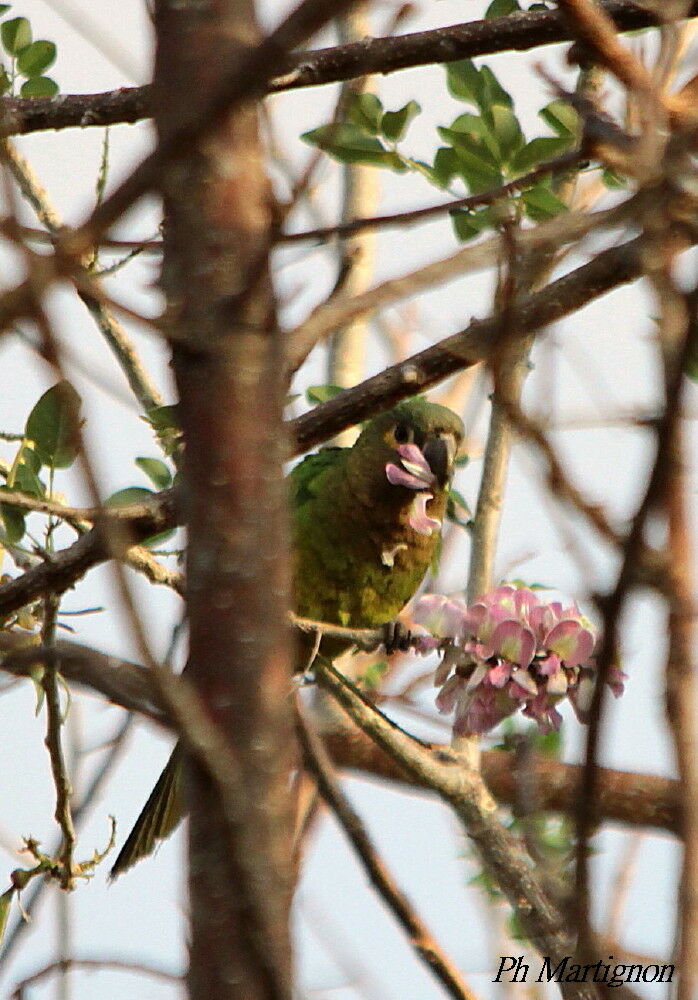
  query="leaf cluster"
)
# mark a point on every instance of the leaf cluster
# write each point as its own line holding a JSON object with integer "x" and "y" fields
{"x": 29, "y": 58}
{"x": 482, "y": 148}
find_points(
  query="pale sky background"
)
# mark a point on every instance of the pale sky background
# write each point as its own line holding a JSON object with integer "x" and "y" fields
{"x": 602, "y": 362}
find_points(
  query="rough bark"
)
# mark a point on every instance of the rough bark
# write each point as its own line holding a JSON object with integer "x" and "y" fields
{"x": 226, "y": 356}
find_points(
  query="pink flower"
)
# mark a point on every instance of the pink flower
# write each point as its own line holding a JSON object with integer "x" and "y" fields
{"x": 512, "y": 651}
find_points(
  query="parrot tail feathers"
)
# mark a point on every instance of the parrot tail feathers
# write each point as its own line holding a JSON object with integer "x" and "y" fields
{"x": 159, "y": 817}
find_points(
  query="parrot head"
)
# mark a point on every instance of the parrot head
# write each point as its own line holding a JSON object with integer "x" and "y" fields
{"x": 404, "y": 458}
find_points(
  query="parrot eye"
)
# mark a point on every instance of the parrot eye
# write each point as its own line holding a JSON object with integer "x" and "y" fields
{"x": 403, "y": 433}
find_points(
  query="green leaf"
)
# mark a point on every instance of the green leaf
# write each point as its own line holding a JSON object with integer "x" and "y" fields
{"x": 562, "y": 118}
{"x": 506, "y": 128}
{"x": 347, "y": 143}
{"x": 5, "y": 903}
{"x": 4, "y": 7}
{"x": 445, "y": 166}
{"x": 500, "y": 8}
{"x": 457, "y": 509}
{"x": 127, "y": 496}
{"x": 463, "y": 81}
{"x": 541, "y": 203}
{"x": 53, "y": 425}
{"x": 394, "y": 124}
{"x": 156, "y": 471}
{"x": 5, "y": 81}
{"x": 476, "y": 164}
{"x": 321, "y": 393}
{"x": 371, "y": 678}
{"x": 35, "y": 58}
{"x": 548, "y": 744}
{"x": 30, "y": 459}
{"x": 538, "y": 150}
{"x": 26, "y": 478}
{"x": 492, "y": 90}
{"x": 365, "y": 111}
{"x": 612, "y": 180}
{"x": 15, "y": 34}
{"x": 39, "y": 86}
{"x": 13, "y": 519}
{"x": 164, "y": 418}
{"x": 468, "y": 225}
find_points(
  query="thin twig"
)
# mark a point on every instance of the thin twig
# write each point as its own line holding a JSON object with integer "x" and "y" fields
{"x": 54, "y": 745}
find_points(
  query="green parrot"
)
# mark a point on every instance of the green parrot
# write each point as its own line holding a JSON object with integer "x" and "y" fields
{"x": 366, "y": 523}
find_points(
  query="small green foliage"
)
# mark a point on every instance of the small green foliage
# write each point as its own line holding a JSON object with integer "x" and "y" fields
{"x": 156, "y": 471}
{"x": 457, "y": 509}
{"x": 367, "y": 135}
{"x": 321, "y": 393}
{"x": 129, "y": 495}
{"x": 165, "y": 422}
{"x": 470, "y": 223}
{"x": 54, "y": 426}
{"x": 541, "y": 203}
{"x": 365, "y": 111}
{"x": 349, "y": 143}
{"x": 33, "y": 59}
{"x": 545, "y": 147}
{"x": 612, "y": 180}
{"x": 501, "y": 8}
{"x": 394, "y": 124}
{"x": 39, "y": 86}
{"x": 562, "y": 119}
{"x": 371, "y": 678}
{"x": 29, "y": 59}
{"x": 13, "y": 520}
{"x": 484, "y": 148}
{"x": 15, "y": 34}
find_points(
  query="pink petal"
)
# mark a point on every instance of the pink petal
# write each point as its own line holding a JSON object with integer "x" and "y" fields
{"x": 449, "y": 694}
{"x": 422, "y": 523}
{"x": 514, "y": 641}
{"x": 522, "y": 680}
{"x": 571, "y": 641}
{"x": 548, "y": 666}
{"x": 499, "y": 675}
{"x": 525, "y": 601}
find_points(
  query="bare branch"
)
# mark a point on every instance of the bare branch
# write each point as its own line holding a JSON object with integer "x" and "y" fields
{"x": 520, "y": 31}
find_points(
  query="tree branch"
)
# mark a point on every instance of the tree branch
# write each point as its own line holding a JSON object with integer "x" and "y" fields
{"x": 622, "y": 796}
{"x": 519, "y": 31}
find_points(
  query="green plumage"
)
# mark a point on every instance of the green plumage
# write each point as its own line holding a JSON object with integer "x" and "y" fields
{"x": 357, "y": 559}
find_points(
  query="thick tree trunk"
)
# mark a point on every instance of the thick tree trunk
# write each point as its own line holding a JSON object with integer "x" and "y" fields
{"x": 227, "y": 361}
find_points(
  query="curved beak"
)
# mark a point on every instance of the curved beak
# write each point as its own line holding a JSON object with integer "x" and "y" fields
{"x": 439, "y": 453}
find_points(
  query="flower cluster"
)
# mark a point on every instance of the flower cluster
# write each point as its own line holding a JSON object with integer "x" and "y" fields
{"x": 511, "y": 651}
